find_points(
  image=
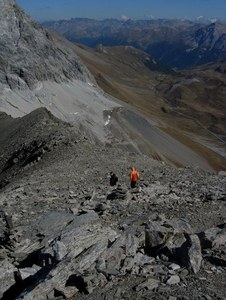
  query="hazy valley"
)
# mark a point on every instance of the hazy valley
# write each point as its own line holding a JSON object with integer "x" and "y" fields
{"x": 177, "y": 43}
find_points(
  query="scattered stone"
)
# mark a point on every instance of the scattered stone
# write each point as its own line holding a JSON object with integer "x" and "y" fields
{"x": 174, "y": 267}
{"x": 150, "y": 284}
{"x": 7, "y": 278}
{"x": 27, "y": 272}
{"x": 174, "y": 279}
{"x": 194, "y": 254}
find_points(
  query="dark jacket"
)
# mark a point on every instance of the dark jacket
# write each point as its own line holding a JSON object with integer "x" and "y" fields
{"x": 113, "y": 179}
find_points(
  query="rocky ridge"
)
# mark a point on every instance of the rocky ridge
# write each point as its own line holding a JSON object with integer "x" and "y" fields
{"x": 66, "y": 234}
{"x": 22, "y": 143}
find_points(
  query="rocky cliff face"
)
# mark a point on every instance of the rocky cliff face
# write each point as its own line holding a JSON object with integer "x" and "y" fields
{"x": 29, "y": 54}
{"x": 207, "y": 43}
{"x": 39, "y": 69}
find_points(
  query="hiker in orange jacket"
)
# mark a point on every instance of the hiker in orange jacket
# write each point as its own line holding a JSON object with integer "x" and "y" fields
{"x": 134, "y": 176}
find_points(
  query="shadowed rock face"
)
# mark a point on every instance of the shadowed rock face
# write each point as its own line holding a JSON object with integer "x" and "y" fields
{"x": 29, "y": 54}
{"x": 24, "y": 140}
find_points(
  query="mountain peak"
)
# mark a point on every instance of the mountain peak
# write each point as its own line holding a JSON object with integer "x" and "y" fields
{"x": 29, "y": 53}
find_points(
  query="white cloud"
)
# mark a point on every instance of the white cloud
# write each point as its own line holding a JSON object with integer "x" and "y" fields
{"x": 200, "y": 17}
{"x": 213, "y": 20}
{"x": 149, "y": 17}
{"x": 124, "y": 18}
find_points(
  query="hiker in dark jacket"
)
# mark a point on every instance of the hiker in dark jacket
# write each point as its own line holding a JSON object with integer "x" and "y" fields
{"x": 113, "y": 179}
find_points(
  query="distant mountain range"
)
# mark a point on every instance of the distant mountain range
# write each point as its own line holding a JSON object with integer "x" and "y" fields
{"x": 180, "y": 44}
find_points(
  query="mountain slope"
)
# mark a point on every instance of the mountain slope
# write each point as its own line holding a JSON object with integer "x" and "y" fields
{"x": 190, "y": 106}
{"x": 38, "y": 69}
{"x": 81, "y": 102}
{"x": 200, "y": 93}
{"x": 66, "y": 233}
{"x": 77, "y": 99}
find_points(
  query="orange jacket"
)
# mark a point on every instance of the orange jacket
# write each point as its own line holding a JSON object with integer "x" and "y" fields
{"x": 134, "y": 175}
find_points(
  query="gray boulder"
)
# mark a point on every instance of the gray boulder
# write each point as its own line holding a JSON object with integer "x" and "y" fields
{"x": 7, "y": 278}
{"x": 167, "y": 239}
{"x": 213, "y": 237}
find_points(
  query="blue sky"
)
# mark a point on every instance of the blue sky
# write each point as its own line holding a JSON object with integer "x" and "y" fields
{"x": 136, "y": 9}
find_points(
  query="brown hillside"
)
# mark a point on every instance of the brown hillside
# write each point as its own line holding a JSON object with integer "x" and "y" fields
{"x": 190, "y": 106}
